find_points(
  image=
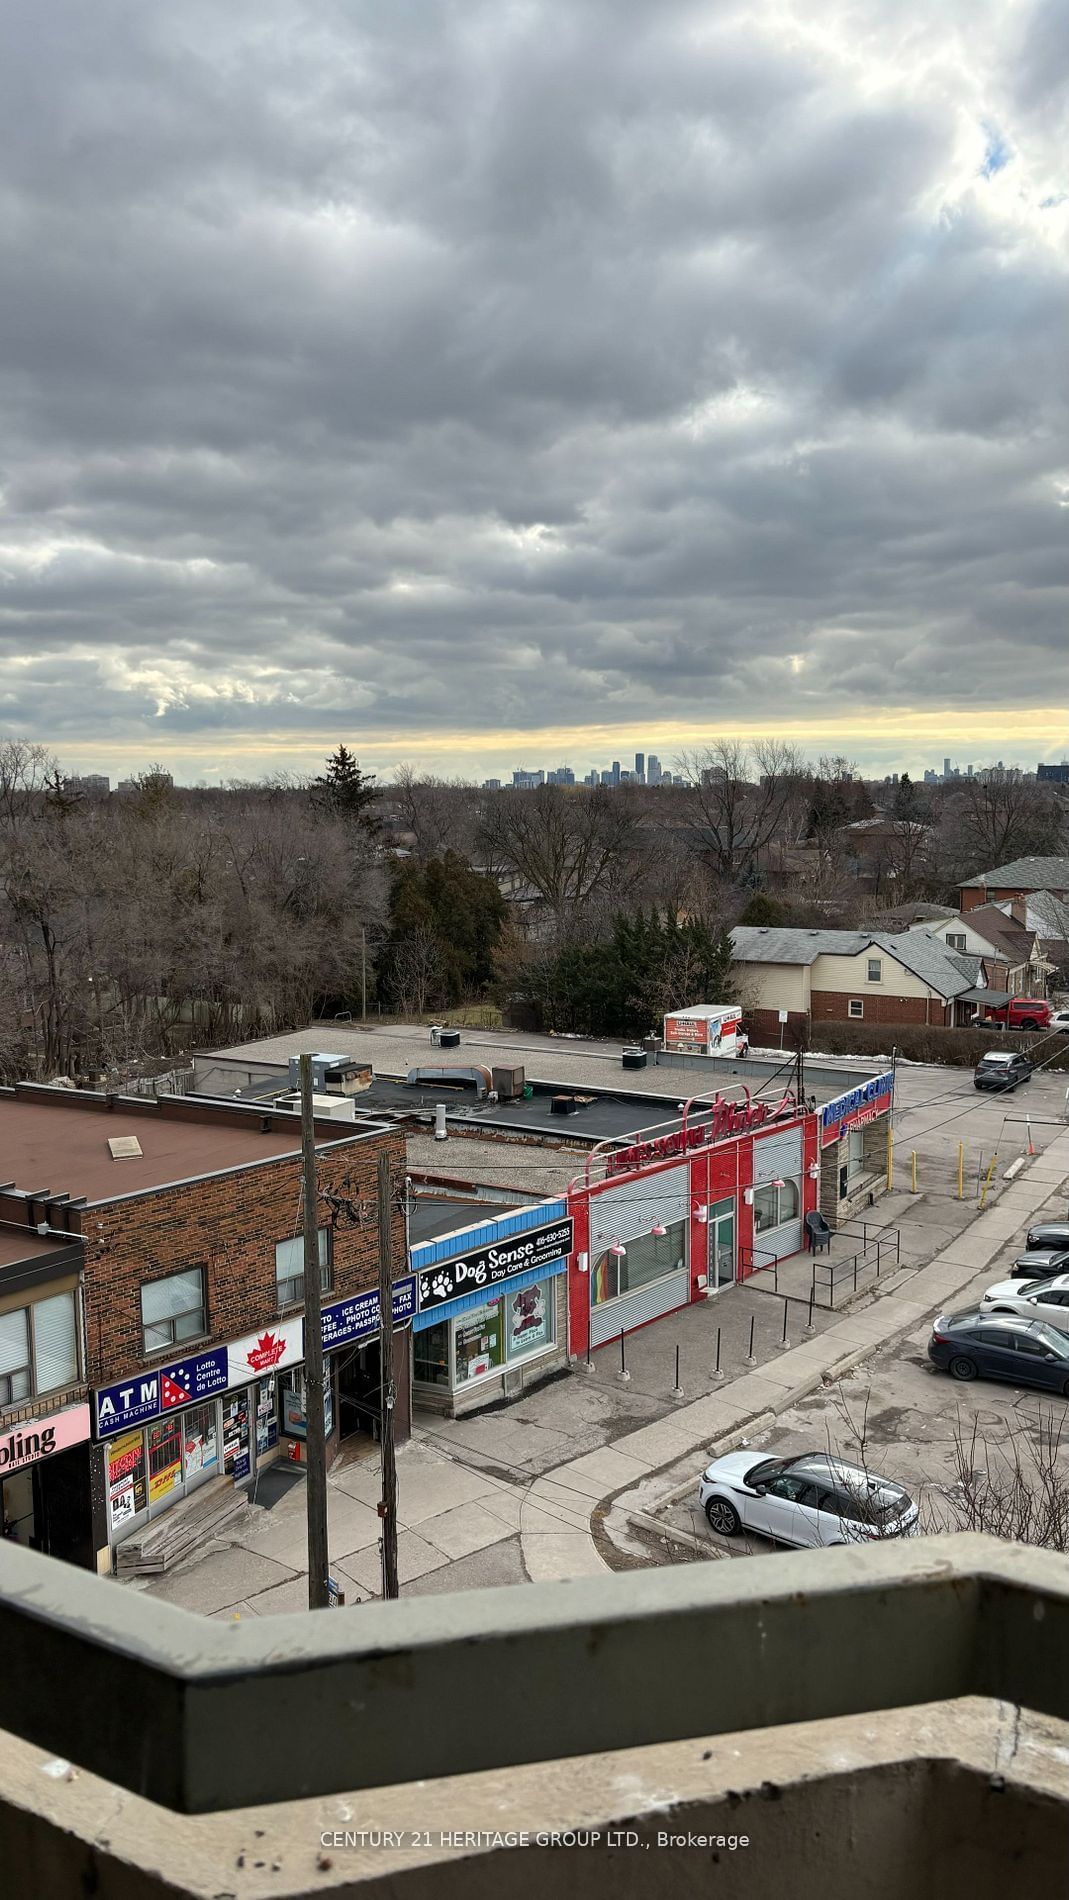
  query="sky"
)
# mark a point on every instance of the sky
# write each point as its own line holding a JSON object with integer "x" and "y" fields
{"x": 498, "y": 384}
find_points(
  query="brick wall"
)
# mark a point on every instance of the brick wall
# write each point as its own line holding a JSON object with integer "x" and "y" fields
{"x": 229, "y": 1225}
{"x": 831, "y": 1006}
{"x": 763, "y": 1027}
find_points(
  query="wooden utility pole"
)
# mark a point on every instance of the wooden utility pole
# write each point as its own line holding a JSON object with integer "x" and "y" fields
{"x": 388, "y": 1505}
{"x": 315, "y": 1440}
{"x": 363, "y": 973}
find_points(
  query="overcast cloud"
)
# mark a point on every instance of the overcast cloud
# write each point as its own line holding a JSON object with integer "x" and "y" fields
{"x": 418, "y": 373}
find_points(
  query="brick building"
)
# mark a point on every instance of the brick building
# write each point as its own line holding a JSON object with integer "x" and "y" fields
{"x": 1022, "y": 877}
{"x": 191, "y": 1299}
{"x": 842, "y": 976}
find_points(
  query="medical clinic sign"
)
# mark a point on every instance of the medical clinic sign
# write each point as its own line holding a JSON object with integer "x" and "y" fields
{"x": 725, "y": 1118}
{"x": 148, "y": 1395}
{"x": 471, "y": 1272}
{"x": 855, "y": 1108}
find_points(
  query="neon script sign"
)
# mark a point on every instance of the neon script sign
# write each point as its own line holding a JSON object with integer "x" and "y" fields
{"x": 725, "y": 1119}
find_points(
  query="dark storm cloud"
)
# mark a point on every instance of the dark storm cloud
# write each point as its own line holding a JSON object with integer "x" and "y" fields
{"x": 463, "y": 368}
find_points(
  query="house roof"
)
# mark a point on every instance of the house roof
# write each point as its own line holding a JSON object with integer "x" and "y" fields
{"x": 924, "y": 955}
{"x": 1033, "y": 874}
{"x": 1048, "y": 914}
{"x": 904, "y": 916}
{"x": 1011, "y": 939}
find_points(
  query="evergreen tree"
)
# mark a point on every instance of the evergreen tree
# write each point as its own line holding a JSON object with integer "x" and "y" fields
{"x": 347, "y": 792}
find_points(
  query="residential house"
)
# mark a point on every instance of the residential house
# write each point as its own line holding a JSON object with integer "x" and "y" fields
{"x": 853, "y": 976}
{"x": 1015, "y": 962}
{"x": 1023, "y": 877}
{"x": 1048, "y": 916}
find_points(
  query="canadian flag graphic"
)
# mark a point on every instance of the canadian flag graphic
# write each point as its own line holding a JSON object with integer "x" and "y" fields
{"x": 267, "y": 1352}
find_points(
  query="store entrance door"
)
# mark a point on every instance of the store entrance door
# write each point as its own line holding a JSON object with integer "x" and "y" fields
{"x": 722, "y": 1244}
{"x": 359, "y": 1391}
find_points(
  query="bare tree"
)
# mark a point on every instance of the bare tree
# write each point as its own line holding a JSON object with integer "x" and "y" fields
{"x": 742, "y": 798}
{"x": 436, "y": 814}
{"x": 416, "y": 972}
{"x": 1017, "y": 1487}
{"x": 571, "y": 847}
{"x": 996, "y": 816}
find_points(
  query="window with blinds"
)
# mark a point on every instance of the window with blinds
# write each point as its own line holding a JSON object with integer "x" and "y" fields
{"x": 39, "y": 1348}
{"x": 16, "y": 1374}
{"x": 173, "y": 1311}
{"x": 289, "y": 1268}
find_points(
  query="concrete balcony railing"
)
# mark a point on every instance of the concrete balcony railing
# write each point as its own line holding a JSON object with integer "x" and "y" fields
{"x": 860, "y": 1710}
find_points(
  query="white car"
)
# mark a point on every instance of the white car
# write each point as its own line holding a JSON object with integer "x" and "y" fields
{"x": 813, "y": 1499}
{"x": 1059, "y": 1020}
{"x": 1031, "y": 1299}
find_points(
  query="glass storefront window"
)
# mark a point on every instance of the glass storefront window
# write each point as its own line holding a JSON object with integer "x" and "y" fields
{"x": 649, "y": 1257}
{"x": 200, "y": 1441}
{"x": 164, "y": 1458}
{"x": 291, "y": 1398}
{"x": 477, "y": 1342}
{"x": 127, "y": 1494}
{"x": 430, "y": 1355}
{"x": 529, "y": 1319}
{"x": 775, "y": 1206}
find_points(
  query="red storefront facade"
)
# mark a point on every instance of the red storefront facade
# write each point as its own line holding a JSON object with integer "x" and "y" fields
{"x": 674, "y": 1216}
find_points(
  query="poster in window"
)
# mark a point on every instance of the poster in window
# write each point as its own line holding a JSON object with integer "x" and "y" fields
{"x": 266, "y": 1417}
{"x": 294, "y": 1420}
{"x": 477, "y": 1342}
{"x": 126, "y": 1478}
{"x": 236, "y": 1459}
{"x": 529, "y": 1323}
{"x": 164, "y": 1458}
{"x": 200, "y": 1440}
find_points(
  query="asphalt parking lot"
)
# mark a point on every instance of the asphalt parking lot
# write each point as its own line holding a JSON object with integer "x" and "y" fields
{"x": 900, "y": 1417}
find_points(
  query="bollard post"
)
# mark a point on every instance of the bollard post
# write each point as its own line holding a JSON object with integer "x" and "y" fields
{"x": 784, "y": 1343}
{"x": 809, "y": 1326}
{"x": 961, "y": 1170}
{"x": 913, "y": 1169}
{"x": 750, "y": 1360}
{"x": 718, "y": 1375}
{"x": 588, "y": 1363}
{"x": 855, "y": 1273}
{"x": 623, "y": 1375}
{"x": 677, "y": 1389}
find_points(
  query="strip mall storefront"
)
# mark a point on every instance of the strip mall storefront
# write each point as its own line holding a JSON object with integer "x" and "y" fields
{"x": 45, "y": 1484}
{"x": 214, "y": 1414}
{"x": 673, "y": 1218}
{"x": 492, "y": 1309}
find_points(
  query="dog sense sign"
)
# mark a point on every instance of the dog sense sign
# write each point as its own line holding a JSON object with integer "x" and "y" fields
{"x": 514, "y": 1253}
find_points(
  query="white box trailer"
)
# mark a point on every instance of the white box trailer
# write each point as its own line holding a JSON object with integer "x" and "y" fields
{"x": 705, "y": 1029}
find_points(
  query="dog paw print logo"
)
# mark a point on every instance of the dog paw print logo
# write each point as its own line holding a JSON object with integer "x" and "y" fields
{"x": 441, "y": 1285}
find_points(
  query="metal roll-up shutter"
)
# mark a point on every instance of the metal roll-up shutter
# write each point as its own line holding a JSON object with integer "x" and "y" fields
{"x": 635, "y": 1309}
{"x": 631, "y": 1208}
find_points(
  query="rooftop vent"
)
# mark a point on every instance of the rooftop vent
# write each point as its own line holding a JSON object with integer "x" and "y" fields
{"x": 124, "y": 1147}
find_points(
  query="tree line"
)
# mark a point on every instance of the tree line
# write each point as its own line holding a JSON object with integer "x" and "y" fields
{"x": 136, "y": 926}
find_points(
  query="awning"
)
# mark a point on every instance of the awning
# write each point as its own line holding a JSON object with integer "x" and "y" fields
{"x": 995, "y": 998}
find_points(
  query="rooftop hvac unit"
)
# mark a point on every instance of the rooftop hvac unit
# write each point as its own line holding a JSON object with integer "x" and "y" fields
{"x": 334, "y": 1108}
{"x": 508, "y": 1082}
{"x": 332, "y": 1075}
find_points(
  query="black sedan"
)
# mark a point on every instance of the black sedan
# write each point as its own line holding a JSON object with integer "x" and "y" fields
{"x": 1024, "y": 1351}
{"x": 1000, "y": 1069}
{"x": 1052, "y": 1234}
{"x": 1040, "y": 1263}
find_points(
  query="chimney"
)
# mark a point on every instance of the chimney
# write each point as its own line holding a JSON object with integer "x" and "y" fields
{"x": 1019, "y": 909}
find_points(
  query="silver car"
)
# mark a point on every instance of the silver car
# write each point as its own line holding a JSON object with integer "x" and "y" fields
{"x": 813, "y": 1499}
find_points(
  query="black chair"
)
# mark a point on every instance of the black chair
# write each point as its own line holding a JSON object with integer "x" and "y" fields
{"x": 818, "y": 1231}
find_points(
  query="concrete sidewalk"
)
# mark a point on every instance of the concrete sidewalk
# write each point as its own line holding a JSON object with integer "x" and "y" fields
{"x": 716, "y": 1422}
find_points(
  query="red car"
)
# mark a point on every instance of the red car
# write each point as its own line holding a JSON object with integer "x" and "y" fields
{"x": 1021, "y": 1012}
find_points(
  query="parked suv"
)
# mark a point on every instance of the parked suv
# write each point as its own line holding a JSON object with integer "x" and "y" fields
{"x": 1001, "y": 1069}
{"x": 1021, "y": 1012}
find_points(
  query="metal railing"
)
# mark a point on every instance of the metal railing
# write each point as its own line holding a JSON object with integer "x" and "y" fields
{"x": 880, "y": 1249}
{"x": 168, "y": 1705}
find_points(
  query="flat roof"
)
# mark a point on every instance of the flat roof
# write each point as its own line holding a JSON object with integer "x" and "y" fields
{"x": 21, "y": 1243}
{"x": 432, "y": 1216}
{"x": 562, "y": 1064}
{"x": 62, "y": 1148}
